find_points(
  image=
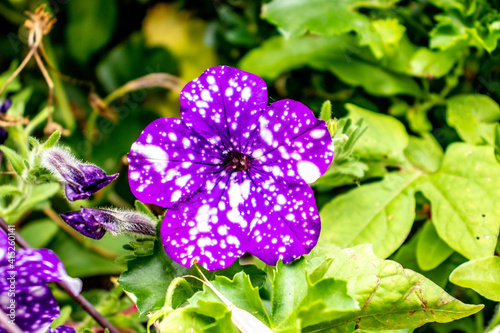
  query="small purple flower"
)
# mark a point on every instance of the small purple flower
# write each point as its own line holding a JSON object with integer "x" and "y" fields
{"x": 3, "y": 110}
{"x": 94, "y": 222}
{"x": 81, "y": 179}
{"x": 233, "y": 172}
{"x": 24, "y": 294}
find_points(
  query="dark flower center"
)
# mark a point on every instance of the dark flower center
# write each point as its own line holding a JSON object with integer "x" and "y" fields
{"x": 236, "y": 161}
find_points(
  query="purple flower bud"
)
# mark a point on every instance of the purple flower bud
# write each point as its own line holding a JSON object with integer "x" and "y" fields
{"x": 5, "y": 105}
{"x": 82, "y": 179}
{"x": 3, "y": 135}
{"x": 3, "y": 109}
{"x": 94, "y": 222}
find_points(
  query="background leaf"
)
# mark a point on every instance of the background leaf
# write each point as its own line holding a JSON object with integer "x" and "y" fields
{"x": 467, "y": 220}
{"x": 381, "y": 213}
{"x": 474, "y": 117}
{"x": 413, "y": 300}
{"x": 480, "y": 275}
{"x": 91, "y": 25}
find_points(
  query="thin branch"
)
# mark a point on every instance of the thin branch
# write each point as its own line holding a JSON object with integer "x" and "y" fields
{"x": 47, "y": 79}
{"x": 79, "y": 299}
{"x": 18, "y": 70}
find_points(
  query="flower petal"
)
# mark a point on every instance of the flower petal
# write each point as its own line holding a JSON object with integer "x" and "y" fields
{"x": 62, "y": 329}
{"x": 223, "y": 104}
{"x": 292, "y": 143}
{"x": 169, "y": 163}
{"x": 285, "y": 222}
{"x": 4, "y": 245}
{"x": 84, "y": 224}
{"x": 35, "y": 308}
{"x": 38, "y": 267}
{"x": 209, "y": 227}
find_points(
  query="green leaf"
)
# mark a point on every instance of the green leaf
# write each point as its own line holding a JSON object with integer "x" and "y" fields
{"x": 464, "y": 194}
{"x": 63, "y": 317}
{"x": 448, "y": 32}
{"x": 239, "y": 291}
{"x": 480, "y": 275}
{"x": 9, "y": 190}
{"x": 14, "y": 158}
{"x": 367, "y": 293}
{"x": 90, "y": 27}
{"x": 39, "y": 233}
{"x": 299, "y": 302}
{"x": 380, "y": 213}
{"x": 377, "y": 143}
{"x": 431, "y": 250}
{"x": 474, "y": 117}
{"x": 339, "y": 55}
{"x": 192, "y": 319}
{"x": 430, "y": 64}
{"x": 148, "y": 278}
{"x": 326, "y": 111}
{"x": 389, "y": 296}
{"x": 407, "y": 257}
{"x": 323, "y": 17}
{"x": 345, "y": 173}
{"x": 424, "y": 152}
{"x": 141, "y": 207}
{"x": 301, "y": 297}
{"x": 390, "y": 30}
{"x": 52, "y": 140}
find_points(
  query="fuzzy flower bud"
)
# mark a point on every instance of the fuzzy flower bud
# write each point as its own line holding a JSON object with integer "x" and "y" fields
{"x": 94, "y": 222}
{"x": 81, "y": 179}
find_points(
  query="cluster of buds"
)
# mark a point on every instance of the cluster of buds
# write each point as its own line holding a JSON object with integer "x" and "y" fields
{"x": 81, "y": 180}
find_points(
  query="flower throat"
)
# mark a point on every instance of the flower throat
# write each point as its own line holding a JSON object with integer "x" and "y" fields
{"x": 236, "y": 161}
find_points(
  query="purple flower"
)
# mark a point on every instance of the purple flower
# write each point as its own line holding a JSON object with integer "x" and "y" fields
{"x": 81, "y": 179}
{"x": 24, "y": 294}
{"x": 233, "y": 172}
{"x": 94, "y": 222}
{"x": 3, "y": 110}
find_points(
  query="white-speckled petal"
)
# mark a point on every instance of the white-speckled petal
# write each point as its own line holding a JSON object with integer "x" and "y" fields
{"x": 223, "y": 105}
{"x": 293, "y": 144}
{"x": 169, "y": 163}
